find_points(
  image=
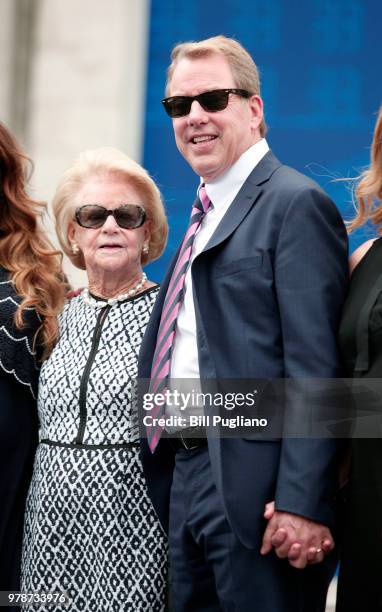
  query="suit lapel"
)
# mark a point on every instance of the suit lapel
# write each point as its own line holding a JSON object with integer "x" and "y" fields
{"x": 245, "y": 199}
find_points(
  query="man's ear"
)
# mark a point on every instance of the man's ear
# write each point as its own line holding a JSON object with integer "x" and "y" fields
{"x": 257, "y": 110}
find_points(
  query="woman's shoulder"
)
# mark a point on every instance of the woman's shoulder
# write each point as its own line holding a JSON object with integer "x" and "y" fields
{"x": 72, "y": 305}
{"x": 6, "y": 286}
{"x": 360, "y": 253}
{"x": 4, "y": 274}
{"x": 142, "y": 303}
{"x": 18, "y": 357}
{"x": 152, "y": 292}
{"x": 10, "y": 300}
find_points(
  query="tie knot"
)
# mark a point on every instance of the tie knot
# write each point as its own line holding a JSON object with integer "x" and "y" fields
{"x": 204, "y": 199}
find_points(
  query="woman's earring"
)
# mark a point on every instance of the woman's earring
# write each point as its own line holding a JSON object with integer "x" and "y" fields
{"x": 75, "y": 248}
{"x": 145, "y": 248}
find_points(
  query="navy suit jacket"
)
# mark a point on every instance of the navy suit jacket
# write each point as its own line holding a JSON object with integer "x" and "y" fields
{"x": 268, "y": 290}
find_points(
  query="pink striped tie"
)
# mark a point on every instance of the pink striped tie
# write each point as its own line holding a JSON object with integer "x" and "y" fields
{"x": 171, "y": 305}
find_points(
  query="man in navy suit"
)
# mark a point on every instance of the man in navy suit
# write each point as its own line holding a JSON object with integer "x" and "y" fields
{"x": 250, "y": 520}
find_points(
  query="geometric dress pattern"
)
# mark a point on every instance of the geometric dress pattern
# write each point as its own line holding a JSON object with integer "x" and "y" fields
{"x": 90, "y": 527}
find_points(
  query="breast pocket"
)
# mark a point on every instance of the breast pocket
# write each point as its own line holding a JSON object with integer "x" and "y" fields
{"x": 239, "y": 265}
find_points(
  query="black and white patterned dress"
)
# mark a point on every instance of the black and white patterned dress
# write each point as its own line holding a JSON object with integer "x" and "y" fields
{"x": 90, "y": 526}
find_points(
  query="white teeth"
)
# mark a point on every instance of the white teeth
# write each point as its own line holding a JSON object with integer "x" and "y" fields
{"x": 202, "y": 139}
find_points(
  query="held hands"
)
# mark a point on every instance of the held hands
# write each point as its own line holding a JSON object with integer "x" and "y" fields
{"x": 301, "y": 541}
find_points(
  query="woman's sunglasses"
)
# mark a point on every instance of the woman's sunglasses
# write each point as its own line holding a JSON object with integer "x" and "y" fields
{"x": 210, "y": 101}
{"x": 127, "y": 216}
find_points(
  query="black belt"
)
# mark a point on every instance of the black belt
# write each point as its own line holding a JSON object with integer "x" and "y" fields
{"x": 187, "y": 439}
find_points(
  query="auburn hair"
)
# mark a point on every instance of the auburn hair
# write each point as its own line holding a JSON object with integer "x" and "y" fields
{"x": 369, "y": 189}
{"x": 34, "y": 265}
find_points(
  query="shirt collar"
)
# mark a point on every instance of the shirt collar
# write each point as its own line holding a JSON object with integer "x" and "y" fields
{"x": 226, "y": 186}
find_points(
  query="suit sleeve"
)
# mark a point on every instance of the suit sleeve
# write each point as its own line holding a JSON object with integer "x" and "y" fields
{"x": 311, "y": 276}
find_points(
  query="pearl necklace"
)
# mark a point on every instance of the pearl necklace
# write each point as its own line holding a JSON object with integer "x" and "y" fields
{"x": 90, "y": 301}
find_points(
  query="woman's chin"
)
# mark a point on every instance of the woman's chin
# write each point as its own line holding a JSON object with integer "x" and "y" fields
{"x": 113, "y": 264}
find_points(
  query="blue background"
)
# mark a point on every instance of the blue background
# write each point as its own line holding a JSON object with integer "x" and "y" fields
{"x": 320, "y": 66}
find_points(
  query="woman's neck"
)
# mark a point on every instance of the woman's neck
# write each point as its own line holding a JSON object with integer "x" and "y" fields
{"x": 108, "y": 286}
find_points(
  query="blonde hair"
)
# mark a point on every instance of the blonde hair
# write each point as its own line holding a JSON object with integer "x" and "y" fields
{"x": 29, "y": 257}
{"x": 243, "y": 68}
{"x": 369, "y": 189}
{"x": 101, "y": 162}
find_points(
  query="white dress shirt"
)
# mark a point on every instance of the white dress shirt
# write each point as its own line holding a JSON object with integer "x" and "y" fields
{"x": 222, "y": 192}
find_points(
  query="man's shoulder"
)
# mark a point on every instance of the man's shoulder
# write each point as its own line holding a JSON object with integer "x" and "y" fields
{"x": 287, "y": 188}
{"x": 286, "y": 191}
{"x": 290, "y": 179}
{"x": 278, "y": 179}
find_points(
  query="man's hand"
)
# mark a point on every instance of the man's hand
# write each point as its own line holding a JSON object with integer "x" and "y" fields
{"x": 294, "y": 537}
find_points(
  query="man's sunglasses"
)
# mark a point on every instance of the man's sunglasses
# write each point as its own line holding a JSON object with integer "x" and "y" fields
{"x": 211, "y": 101}
{"x": 127, "y": 216}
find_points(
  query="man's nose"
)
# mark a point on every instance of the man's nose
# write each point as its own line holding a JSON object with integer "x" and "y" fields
{"x": 197, "y": 113}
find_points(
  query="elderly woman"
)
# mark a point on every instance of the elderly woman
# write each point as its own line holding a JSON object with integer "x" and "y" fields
{"x": 90, "y": 527}
{"x": 32, "y": 293}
